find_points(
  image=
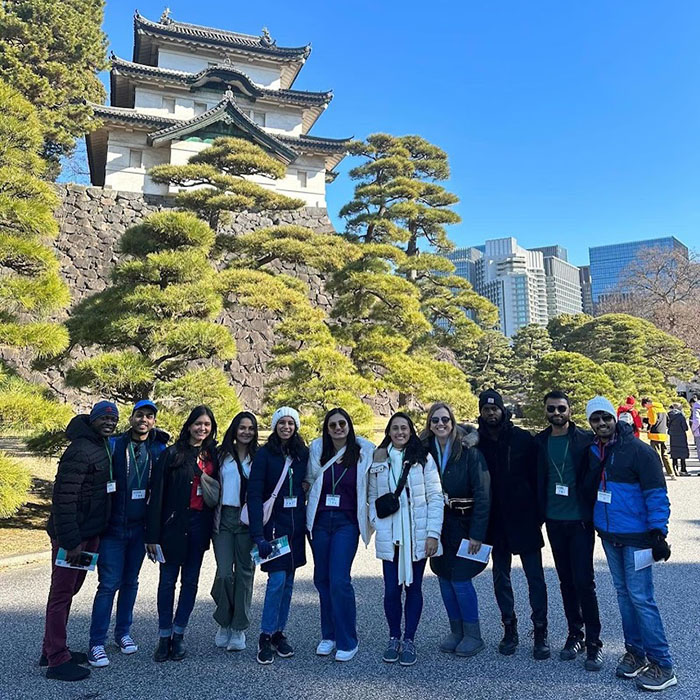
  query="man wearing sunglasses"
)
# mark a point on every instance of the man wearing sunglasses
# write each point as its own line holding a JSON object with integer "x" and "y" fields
{"x": 562, "y": 459}
{"x": 625, "y": 481}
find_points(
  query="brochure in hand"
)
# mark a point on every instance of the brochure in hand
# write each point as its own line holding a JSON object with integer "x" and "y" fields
{"x": 482, "y": 555}
{"x": 280, "y": 547}
{"x": 87, "y": 562}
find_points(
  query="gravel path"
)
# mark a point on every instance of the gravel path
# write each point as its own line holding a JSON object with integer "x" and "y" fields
{"x": 208, "y": 672}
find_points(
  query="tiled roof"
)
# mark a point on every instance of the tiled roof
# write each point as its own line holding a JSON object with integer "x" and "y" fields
{"x": 261, "y": 45}
{"x": 299, "y": 97}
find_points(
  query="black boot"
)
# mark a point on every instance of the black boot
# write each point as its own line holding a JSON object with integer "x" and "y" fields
{"x": 177, "y": 648}
{"x": 162, "y": 652}
{"x": 540, "y": 649}
{"x": 510, "y": 638}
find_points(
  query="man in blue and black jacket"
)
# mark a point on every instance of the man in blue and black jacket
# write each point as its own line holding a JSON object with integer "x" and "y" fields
{"x": 122, "y": 546}
{"x": 631, "y": 512}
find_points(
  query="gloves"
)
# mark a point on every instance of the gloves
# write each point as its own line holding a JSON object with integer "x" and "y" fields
{"x": 264, "y": 547}
{"x": 659, "y": 547}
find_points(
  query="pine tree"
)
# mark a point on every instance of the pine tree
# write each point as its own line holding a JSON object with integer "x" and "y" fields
{"x": 51, "y": 52}
{"x": 530, "y": 344}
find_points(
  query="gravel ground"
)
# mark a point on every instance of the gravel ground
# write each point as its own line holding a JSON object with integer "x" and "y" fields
{"x": 209, "y": 672}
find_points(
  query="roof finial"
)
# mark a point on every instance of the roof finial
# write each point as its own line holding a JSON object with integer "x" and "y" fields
{"x": 266, "y": 39}
{"x": 229, "y": 93}
{"x": 165, "y": 18}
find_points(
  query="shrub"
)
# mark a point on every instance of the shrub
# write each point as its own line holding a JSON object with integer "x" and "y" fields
{"x": 15, "y": 481}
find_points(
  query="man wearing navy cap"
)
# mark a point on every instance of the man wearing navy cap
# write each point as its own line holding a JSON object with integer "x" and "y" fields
{"x": 80, "y": 507}
{"x": 122, "y": 546}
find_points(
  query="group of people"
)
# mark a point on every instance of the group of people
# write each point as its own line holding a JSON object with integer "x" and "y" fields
{"x": 665, "y": 426}
{"x": 447, "y": 495}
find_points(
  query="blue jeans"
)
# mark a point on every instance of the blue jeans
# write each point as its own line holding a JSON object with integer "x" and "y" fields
{"x": 334, "y": 544}
{"x": 188, "y": 572}
{"x": 118, "y": 566}
{"x": 278, "y": 598}
{"x": 392, "y": 597}
{"x": 460, "y": 599}
{"x": 641, "y": 620}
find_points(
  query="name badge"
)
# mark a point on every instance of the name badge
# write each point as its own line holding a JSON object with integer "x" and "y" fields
{"x": 111, "y": 486}
{"x": 605, "y": 496}
{"x": 199, "y": 489}
{"x": 561, "y": 490}
{"x": 332, "y": 501}
{"x": 138, "y": 494}
{"x": 290, "y": 502}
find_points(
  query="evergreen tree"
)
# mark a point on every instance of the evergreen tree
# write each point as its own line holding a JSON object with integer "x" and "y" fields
{"x": 530, "y": 344}
{"x": 51, "y": 51}
{"x": 560, "y": 328}
{"x": 489, "y": 364}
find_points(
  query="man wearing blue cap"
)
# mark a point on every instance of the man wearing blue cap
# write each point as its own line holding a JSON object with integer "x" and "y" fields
{"x": 80, "y": 507}
{"x": 122, "y": 545}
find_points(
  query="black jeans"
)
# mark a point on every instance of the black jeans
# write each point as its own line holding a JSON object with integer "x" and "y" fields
{"x": 572, "y": 544}
{"x": 534, "y": 573}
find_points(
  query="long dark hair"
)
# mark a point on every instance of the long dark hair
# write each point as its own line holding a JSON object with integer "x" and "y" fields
{"x": 182, "y": 445}
{"x": 414, "y": 450}
{"x": 351, "y": 456}
{"x": 228, "y": 444}
{"x": 295, "y": 446}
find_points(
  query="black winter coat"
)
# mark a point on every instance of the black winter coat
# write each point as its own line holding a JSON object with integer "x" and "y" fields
{"x": 264, "y": 473}
{"x": 465, "y": 476}
{"x": 514, "y": 524}
{"x": 80, "y": 505}
{"x": 678, "y": 432}
{"x": 168, "y": 513}
{"x": 580, "y": 442}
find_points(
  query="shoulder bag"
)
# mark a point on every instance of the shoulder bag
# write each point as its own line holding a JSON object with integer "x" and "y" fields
{"x": 389, "y": 503}
{"x": 269, "y": 504}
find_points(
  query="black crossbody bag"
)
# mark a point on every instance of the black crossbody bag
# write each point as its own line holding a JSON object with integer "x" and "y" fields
{"x": 389, "y": 503}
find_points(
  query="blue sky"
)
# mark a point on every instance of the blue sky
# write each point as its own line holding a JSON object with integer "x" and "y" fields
{"x": 575, "y": 123}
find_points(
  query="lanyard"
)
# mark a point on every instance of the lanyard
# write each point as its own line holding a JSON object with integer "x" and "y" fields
{"x": 560, "y": 472}
{"x": 334, "y": 481}
{"x": 109, "y": 457}
{"x": 139, "y": 472}
{"x": 391, "y": 467}
{"x": 291, "y": 485}
{"x": 443, "y": 459}
{"x": 604, "y": 475}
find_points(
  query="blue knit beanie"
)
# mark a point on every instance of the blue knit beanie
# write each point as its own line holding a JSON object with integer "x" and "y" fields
{"x": 104, "y": 408}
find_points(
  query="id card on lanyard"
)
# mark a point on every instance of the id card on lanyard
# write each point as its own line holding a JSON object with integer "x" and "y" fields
{"x": 291, "y": 500}
{"x": 111, "y": 484}
{"x": 139, "y": 493}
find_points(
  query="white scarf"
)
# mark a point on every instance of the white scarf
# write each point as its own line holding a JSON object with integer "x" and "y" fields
{"x": 401, "y": 520}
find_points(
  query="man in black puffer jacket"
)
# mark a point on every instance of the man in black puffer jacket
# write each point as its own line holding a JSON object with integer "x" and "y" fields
{"x": 80, "y": 510}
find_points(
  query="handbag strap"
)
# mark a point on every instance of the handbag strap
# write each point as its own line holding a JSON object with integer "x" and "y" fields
{"x": 333, "y": 459}
{"x": 402, "y": 479}
{"x": 283, "y": 476}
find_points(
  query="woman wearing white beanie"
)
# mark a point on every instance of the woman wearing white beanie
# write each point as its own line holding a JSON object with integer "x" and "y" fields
{"x": 278, "y": 470}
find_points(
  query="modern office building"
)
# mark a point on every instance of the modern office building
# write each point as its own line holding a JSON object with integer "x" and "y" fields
{"x": 586, "y": 291}
{"x": 563, "y": 286}
{"x": 554, "y": 251}
{"x": 609, "y": 262}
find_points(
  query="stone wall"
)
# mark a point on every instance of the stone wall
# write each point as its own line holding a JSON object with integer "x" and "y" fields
{"x": 92, "y": 221}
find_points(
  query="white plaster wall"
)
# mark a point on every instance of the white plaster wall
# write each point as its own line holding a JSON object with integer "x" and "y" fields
{"x": 120, "y": 176}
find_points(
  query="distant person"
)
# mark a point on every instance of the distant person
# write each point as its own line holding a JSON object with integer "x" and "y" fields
{"x": 657, "y": 431}
{"x": 678, "y": 434}
{"x": 134, "y": 453}
{"x": 695, "y": 424}
{"x": 631, "y": 512}
{"x": 80, "y": 507}
{"x": 627, "y": 413}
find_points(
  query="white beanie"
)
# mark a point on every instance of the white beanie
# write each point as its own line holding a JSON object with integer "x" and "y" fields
{"x": 286, "y": 412}
{"x": 600, "y": 403}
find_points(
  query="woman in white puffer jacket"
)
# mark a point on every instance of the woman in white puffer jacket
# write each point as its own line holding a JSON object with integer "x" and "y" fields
{"x": 406, "y": 538}
{"x": 337, "y": 515}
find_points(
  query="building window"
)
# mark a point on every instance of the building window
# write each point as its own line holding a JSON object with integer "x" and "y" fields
{"x": 302, "y": 178}
{"x": 135, "y": 158}
{"x": 258, "y": 118}
{"x": 199, "y": 108}
{"x": 169, "y": 105}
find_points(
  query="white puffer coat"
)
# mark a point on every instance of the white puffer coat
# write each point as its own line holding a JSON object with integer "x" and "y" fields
{"x": 425, "y": 501}
{"x": 314, "y": 477}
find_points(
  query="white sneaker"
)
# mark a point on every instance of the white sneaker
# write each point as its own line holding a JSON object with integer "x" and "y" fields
{"x": 236, "y": 641}
{"x": 97, "y": 656}
{"x": 325, "y": 647}
{"x": 222, "y": 637}
{"x": 127, "y": 645}
{"x": 346, "y": 655}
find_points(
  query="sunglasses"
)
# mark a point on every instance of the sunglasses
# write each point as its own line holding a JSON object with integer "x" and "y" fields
{"x": 341, "y": 424}
{"x": 558, "y": 409}
{"x": 440, "y": 419}
{"x": 604, "y": 418}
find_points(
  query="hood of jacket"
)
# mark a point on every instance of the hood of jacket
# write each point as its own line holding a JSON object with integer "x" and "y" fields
{"x": 79, "y": 427}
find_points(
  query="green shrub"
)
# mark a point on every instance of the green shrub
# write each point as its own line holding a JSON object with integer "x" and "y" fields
{"x": 15, "y": 481}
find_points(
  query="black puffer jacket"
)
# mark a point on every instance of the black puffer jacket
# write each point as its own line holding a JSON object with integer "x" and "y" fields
{"x": 168, "y": 511}
{"x": 80, "y": 505}
{"x": 466, "y": 476}
{"x": 514, "y": 524}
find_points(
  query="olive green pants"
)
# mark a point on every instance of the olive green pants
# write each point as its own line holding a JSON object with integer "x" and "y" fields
{"x": 232, "y": 590}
